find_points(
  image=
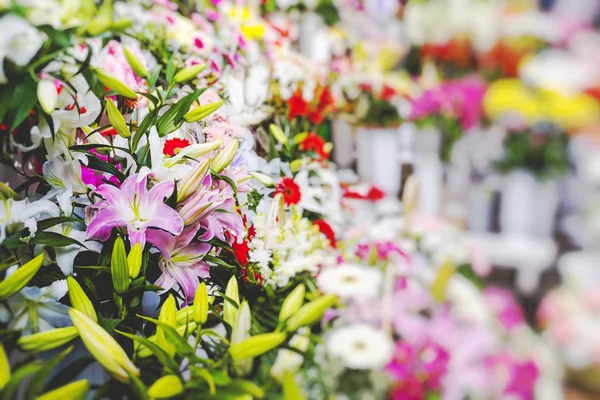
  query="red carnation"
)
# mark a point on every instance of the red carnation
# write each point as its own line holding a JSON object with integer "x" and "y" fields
{"x": 315, "y": 144}
{"x": 387, "y": 93}
{"x": 326, "y": 230}
{"x": 297, "y": 106}
{"x": 174, "y": 146}
{"x": 289, "y": 189}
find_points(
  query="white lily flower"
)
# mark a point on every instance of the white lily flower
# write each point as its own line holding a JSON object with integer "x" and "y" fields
{"x": 19, "y": 42}
{"x": 16, "y": 214}
{"x": 65, "y": 179}
{"x": 36, "y": 309}
{"x": 65, "y": 256}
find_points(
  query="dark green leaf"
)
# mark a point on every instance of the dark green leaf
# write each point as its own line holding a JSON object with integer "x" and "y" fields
{"x": 163, "y": 357}
{"x": 50, "y": 222}
{"x": 99, "y": 165}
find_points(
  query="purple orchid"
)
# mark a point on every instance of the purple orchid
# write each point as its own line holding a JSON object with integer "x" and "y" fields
{"x": 134, "y": 207}
{"x": 181, "y": 261}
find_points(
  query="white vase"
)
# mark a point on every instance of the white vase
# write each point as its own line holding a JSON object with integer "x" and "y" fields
{"x": 378, "y": 163}
{"x": 314, "y": 38}
{"x": 429, "y": 171}
{"x": 343, "y": 143}
{"x": 528, "y": 205}
{"x": 480, "y": 208}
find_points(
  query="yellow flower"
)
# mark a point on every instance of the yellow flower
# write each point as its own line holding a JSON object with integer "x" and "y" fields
{"x": 511, "y": 96}
{"x": 570, "y": 112}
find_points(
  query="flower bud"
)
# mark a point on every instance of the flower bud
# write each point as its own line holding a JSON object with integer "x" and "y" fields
{"x": 121, "y": 24}
{"x": 189, "y": 73}
{"x": 168, "y": 315}
{"x": 232, "y": 293}
{"x": 256, "y": 345}
{"x": 438, "y": 287}
{"x": 103, "y": 347}
{"x": 192, "y": 180}
{"x": 47, "y": 340}
{"x": 247, "y": 387}
{"x": 225, "y": 157}
{"x": 299, "y": 138}
{"x": 193, "y": 151}
{"x": 202, "y": 112}
{"x": 201, "y": 304}
{"x": 185, "y": 315}
{"x": 291, "y": 390}
{"x": 117, "y": 120}
{"x": 73, "y": 391}
{"x": 327, "y": 147}
{"x": 262, "y": 178}
{"x": 136, "y": 65}
{"x": 165, "y": 387}
{"x": 115, "y": 84}
{"x": 6, "y": 192}
{"x": 296, "y": 165}
{"x": 311, "y": 312}
{"x": 182, "y": 329}
{"x": 98, "y": 26}
{"x": 239, "y": 333}
{"x": 278, "y": 134}
{"x": 79, "y": 300}
{"x": 289, "y": 361}
{"x": 18, "y": 279}
{"x": 47, "y": 95}
{"x": 118, "y": 267}
{"x": 134, "y": 260}
{"x": 292, "y": 303}
{"x": 4, "y": 368}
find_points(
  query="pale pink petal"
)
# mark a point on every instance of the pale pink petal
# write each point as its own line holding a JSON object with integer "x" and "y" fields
{"x": 103, "y": 222}
{"x": 162, "y": 240}
{"x": 167, "y": 219}
{"x": 161, "y": 190}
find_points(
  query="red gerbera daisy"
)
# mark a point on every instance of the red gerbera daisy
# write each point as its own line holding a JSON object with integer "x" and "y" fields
{"x": 289, "y": 189}
{"x": 316, "y": 144}
{"x": 174, "y": 146}
{"x": 326, "y": 230}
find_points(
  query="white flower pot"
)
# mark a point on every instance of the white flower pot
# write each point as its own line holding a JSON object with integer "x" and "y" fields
{"x": 378, "y": 164}
{"x": 429, "y": 171}
{"x": 528, "y": 206}
{"x": 480, "y": 208}
{"x": 343, "y": 143}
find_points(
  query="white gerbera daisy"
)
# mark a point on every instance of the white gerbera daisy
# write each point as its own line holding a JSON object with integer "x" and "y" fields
{"x": 360, "y": 346}
{"x": 348, "y": 280}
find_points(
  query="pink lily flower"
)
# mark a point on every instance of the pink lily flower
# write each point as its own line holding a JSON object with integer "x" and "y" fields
{"x": 134, "y": 207}
{"x": 181, "y": 262}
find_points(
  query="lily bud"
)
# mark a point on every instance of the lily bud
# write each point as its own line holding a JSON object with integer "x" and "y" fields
{"x": 117, "y": 120}
{"x": 47, "y": 95}
{"x": 192, "y": 180}
{"x": 18, "y": 279}
{"x": 189, "y": 73}
{"x": 248, "y": 387}
{"x": 291, "y": 390}
{"x": 201, "y": 305}
{"x": 289, "y": 361}
{"x": 327, "y": 147}
{"x": 134, "y": 260}
{"x": 168, "y": 315}
{"x": 136, "y": 65}
{"x": 121, "y": 24}
{"x": 47, "y": 340}
{"x": 115, "y": 84}
{"x": 73, "y": 391}
{"x": 296, "y": 165}
{"x": 278, "y": 134}
{"x": 292, "y": 303}
{"x": 202, "y": 112}
{"x": 229, "y": 310}
{"x": 4, "y": 368}
{"x": 6, "y": 192}
{"x": 225, "y": 157}
{"x": 256, "y": 345}
{"x": 311, "y": 312}
{"x": 118, "y": 267}
{"x": 165, "y": 387}
{"x": 299, "y": 138}
{"x": 182, "y": 329}
{"x": 438, "y": 287}
{"x": 410, "y": 198}
{"x": 262, "y": 178}
{"x": 184, "y": 315}
{"x": 79, "y": 299}
{"x": 98, "y": 26}
{"x": 193, "y": 151}
{"x": 239, "y": 333}
{"x": 103, "y": 347}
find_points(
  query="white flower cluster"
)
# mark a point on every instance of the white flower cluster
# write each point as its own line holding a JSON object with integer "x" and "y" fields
{"x": 287, "y": 249}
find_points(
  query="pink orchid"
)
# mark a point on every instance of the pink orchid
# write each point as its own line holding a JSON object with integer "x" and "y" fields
{"x": 181, "y": 262}
{"x": 134, "y": 207}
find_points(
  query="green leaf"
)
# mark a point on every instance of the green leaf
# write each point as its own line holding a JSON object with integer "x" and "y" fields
{"x": 154, "y": 76}
{"x": 10, "y": 390}
{"x": 173, "y": 118}
{"x": 180, "y": 343}
{"x": 170, "y": 73}
{"x": 147, "y": 122}
{"x": 163, "y": 357}
{"x": 86, "y": 147}
{"x": 109, "y": 324}
{"x": 218, "y": 262}
{"x": 50, "y": 222}
{"x": 27, "y": 95}
{"x": 99, "y": 165}
{"x": 36, "y": 384}
{"x": 53, "y": 239}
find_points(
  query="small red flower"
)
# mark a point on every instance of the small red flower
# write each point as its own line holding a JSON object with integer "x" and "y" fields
{"x": 109, "y": 132}
{"x": 289, "y": 189}
{"x": 298, "y": 107}
{"x": 326, "y": 230}
{"x": 387, "y": 93}
{"x": 174, "y": 146}
{"x": 315, "y": 144}
{"x": 373, "y": 194}
{"x": 241, "y": 251}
